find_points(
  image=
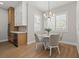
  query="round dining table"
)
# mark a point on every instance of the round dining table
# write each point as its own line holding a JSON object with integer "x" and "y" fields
{"x": 45, "y": 37}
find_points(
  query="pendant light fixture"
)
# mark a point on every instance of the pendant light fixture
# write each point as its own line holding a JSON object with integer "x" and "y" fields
{"x": 49, "y": 13}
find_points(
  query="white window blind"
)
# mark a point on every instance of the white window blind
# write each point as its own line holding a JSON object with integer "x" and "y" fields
{"x": 37, "y": 23}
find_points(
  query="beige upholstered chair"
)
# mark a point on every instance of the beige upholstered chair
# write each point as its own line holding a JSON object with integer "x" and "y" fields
{"x": 53, "y": 43}
{"x": 38, "y": 41}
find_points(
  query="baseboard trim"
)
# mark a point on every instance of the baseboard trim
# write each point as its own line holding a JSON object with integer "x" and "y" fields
{"x": 30, "y": 42}
{"x": 3, "y": 40}
{"x": 65, "y": 42}
{"x": 78, "y": 49}
{"x": 70, "y": 43}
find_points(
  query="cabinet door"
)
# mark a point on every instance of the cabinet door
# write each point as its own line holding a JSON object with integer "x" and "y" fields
{"x": 11, "y": 15}
{"x": 11, "y": 18}
{"x": 22, "y": 40}
{"x": 18, "y": 15}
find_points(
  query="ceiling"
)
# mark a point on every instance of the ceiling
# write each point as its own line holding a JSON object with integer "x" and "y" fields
{"x": 7, "y": 4}
{"x": 41, "y": 5}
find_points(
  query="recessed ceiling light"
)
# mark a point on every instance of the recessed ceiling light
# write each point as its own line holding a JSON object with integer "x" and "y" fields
{"x": 1, "y": 3}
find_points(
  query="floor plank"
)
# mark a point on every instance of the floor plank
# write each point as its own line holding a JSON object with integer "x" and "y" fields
{"x": 7, "y": 50}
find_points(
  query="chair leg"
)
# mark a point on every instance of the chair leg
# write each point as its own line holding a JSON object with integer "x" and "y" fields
{"x": 58, "y": 50}
{"x": 45, "y": 46}
{"x": 36, "y": 45}
{"x": 50, "y": 51}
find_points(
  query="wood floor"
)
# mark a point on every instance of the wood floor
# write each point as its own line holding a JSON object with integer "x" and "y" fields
{"x": 7, "y": 50}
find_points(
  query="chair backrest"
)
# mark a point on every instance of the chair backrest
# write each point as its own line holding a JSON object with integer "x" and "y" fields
{"x": 36, "y": 38}
{"x": 54, "y": 39}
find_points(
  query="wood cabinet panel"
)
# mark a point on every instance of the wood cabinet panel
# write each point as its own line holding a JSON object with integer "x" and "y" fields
{"x": 11, "y": 16}
{"x": 10, "y": 23}
{"x": 21, "y": 39}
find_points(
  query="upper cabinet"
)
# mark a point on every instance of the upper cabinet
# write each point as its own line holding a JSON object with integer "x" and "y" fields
{"x": 11, "y": 18}
{"x": 21, "y": 14}
{"x": 11, "y": 15}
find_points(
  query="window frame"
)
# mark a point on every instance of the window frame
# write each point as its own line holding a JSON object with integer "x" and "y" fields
{"x": 56, "y": 14}
{"x": 65, "y": 30}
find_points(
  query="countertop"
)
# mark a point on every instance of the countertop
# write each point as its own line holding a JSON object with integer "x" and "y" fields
{"x": 18, "y": 32}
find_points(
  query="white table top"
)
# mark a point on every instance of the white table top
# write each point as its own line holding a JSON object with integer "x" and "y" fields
{"x": 46, "y": 35}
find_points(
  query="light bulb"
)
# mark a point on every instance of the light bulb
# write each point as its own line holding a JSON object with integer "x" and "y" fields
{"x": 50, "y": 13}
{"x": 44, "y": 15}
{"x": 53, "y": 14}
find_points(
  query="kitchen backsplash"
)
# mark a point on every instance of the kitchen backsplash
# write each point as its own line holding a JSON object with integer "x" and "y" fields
{"x": 22, "y": 28}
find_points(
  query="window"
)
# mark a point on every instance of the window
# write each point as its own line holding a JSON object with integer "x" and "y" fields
{"x": 58, "y": 22}
{"x": 51, "y": 23}
{"x": 61, "y": 22}
{"x": 37, "y": 23}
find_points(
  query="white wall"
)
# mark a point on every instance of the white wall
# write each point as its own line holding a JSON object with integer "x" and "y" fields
{"x": 3, "y": 25}
{"x": 70, "y": 35}
{"x": 31, "y": 12}
{"x": 77, "y": 25}
{"x": 21, "y": 14}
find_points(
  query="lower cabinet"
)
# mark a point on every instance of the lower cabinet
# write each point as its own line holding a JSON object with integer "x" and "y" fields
{"x": 15, "y": 39}
{"x": 19, "y": 39}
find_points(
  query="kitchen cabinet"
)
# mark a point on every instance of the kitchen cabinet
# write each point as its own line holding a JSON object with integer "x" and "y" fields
{"x": 10, "y": 22}
{"x": 19, "y": 38}
{"x": 21, "y": 14}
{"x": 11, "y": 15}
